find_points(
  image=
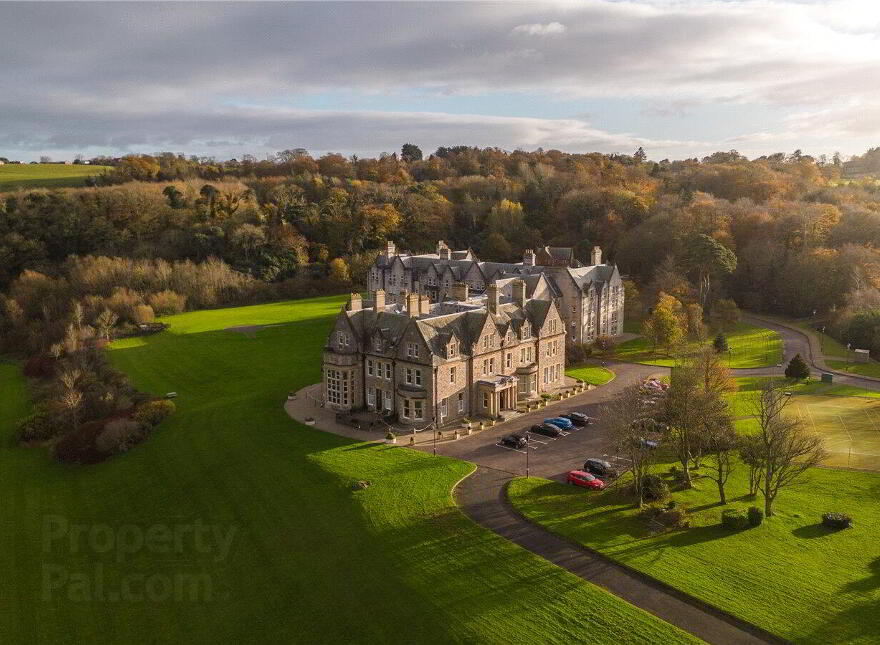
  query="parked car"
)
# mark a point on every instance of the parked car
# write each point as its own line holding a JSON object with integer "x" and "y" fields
{"x": 581, "y": 478}
{"x": 650, "y": 443}
{"x": 546, "y": 429}
{"x": 514, "y": 441}
{"x": 561, "y": 422}
{"x": 578, "y": 418}
{"x": 600, "y": 468}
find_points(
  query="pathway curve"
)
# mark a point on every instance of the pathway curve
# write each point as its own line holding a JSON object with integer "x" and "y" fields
{"x": 798, "y": 341}
{"x": 482, "y": 497}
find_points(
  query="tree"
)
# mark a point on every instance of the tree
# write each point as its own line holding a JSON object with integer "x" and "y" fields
{"x": 625, "y": 415}
{"x": 105, "y": 322}
{"x": 664, "y": 327}
{"x": 750, "y": 455}
{"x": 339, "y": 271}
{"x": 720, "y": 444}
{"x": 708, "y": 258}
{"x": 410, "y": 152}
{"x": 797, "y": 368}
{"x": 639, "y": 155}
{"x": 720, "y": 343}
{"x": 725, "y": 313}
{"x": 175, "y": 198}
{"x": 785, "y": 449}
{"x": 696, "y": 329}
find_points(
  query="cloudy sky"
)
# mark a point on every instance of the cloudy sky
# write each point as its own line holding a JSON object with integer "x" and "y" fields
{"x": 680, "y": 78}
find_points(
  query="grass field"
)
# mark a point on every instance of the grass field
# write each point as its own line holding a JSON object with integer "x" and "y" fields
{"x": 790, "y": 575}
{"x": 593, "y": 374}
{"x": 309, "y": 559}
{"x": 14, "y": 176}
{"x": 750, "y": 346}
{"x": 847, "y": 417}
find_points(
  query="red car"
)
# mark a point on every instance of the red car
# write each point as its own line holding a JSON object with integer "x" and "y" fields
{"x": 581, "y": 478}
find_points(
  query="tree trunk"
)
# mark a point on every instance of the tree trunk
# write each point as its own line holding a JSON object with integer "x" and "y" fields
{"x": 768, "y": 500}
{"x": 721, "y": 491}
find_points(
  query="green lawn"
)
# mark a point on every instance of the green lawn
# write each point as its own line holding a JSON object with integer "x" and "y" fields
{"x": 750, "y": 346}
{"x": 592, "y": 374}
{"x": 871, "y": 368}
{"x": 790, "y": 575}
{"x": 310, "y": 560}
{"x": 14, "y": 176}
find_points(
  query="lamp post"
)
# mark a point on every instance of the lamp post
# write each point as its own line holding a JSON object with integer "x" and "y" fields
{"x": 527, "y": 453}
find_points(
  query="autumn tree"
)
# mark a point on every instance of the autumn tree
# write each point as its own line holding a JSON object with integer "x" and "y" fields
{"x": 725, "y": 314}
{"x": 785, "y": 449}
{"x": 665, "y": 327}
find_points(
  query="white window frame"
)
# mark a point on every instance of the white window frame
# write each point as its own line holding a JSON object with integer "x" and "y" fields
{"x": 412, "y": 350}
{"x": 369, "y": 367}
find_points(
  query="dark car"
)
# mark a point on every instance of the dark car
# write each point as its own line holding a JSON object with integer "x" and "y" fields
{"x": 578, "y": 418}
{"x": 514, "y": 441}
{"x": 600, "y": 468}
{"x": 546, "y": 429}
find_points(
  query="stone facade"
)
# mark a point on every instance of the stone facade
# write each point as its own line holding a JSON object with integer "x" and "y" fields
{"x": 475, "y": 356}
{"x": 590, "y": 298}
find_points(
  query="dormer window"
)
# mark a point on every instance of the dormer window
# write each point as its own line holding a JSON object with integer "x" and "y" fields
{"x": 377, "y": 344}
{"x": 509, "y": 337}
{"x": 452, "y": 349}
{"x": 343, "y": 339}
{"x": 412, "y": 350}
{"x": 526, "y": 330}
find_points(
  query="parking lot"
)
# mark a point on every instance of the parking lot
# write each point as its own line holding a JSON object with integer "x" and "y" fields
{"x": 546, "y": 456}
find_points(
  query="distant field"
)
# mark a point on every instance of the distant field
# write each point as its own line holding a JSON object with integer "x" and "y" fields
{"x": 14, "y": 176}
{"x": 750, "y": 346}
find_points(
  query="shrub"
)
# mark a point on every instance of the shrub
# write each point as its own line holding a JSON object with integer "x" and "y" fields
{"x": 119, "y": 435}
{"x": 78, "y": 446}
{"x": 143, "y": 314}
{"x": 654, "y": 489}
{"x": 675, "y": 518}
{"x": 40, "y": 426}
{"x": 734, "y": 519}
{"x": 152, "y": 413}
{"x": 167, "y": 302}
{"x": 756, "y": 516}
{"x": 837, "y": 520}
{"x": 720, "y": 343}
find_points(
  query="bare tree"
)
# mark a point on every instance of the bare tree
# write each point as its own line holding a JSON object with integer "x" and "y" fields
{"x": 626, "y": 415}
{"x": 786, "y": 448}
{"x": 721, "y": 443}
{"x": 105, "y": 323}
{"x": 750, "y": 455}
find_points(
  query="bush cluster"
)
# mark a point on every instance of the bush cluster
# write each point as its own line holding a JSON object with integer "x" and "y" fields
{"x": 654, "y": 488}
{"x": 152, "y": 413}
{"x": 837, "y": 520}
{"x": 735, "y": 519}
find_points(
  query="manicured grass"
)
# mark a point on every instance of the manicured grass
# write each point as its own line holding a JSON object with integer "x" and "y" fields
{"x": 593, "y": 374}
{"x": 750, "y": 346}
{"x": 830, "y": 346}
{"x": 14, "y": 176}
{"x": 871, "y": 368}
{"x": 790, "y": 575}
{"x": 311, "y": 560}
{"x": 14, "y": 399}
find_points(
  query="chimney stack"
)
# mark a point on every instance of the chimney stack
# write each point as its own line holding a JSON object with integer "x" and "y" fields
{"x": 494, "y": 297}
{"x": 519, "y": 292}
{"x": 379, "y": 300}
{"x": 529, "y": 258}
{"x": 412, "y": 305}
{"x": 390, "y": 250}
{"x": 459, "y": 291}
{"x": 424, "y": 305}
{"x": 443, "y": 250}
{"x": 356, "y": 302}
{"x": 596, "y": 256}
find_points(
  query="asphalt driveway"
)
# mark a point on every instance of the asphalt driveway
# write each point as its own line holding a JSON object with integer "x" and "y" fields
{"x": 551, "y": 458}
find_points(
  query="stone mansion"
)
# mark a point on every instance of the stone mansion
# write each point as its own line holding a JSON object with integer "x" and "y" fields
{"x": 473, "y": 356}
{"x": 447, "y": 335}
{"x": 590, "y": 298}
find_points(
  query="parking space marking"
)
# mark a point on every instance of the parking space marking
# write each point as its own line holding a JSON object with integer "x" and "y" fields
{"x": 501, "y": 445}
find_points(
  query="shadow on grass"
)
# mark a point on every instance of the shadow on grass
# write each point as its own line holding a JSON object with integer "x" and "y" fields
{"x": 871, "y": 583}
{"x": 812, "y": 531}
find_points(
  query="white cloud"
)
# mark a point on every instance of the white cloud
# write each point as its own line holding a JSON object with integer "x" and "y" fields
{"x": 538, "y": 29}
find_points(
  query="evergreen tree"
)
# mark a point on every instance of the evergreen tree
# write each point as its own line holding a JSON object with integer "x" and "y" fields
{"x": 720, "y": 343}
{"x": 797, "y": 368}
